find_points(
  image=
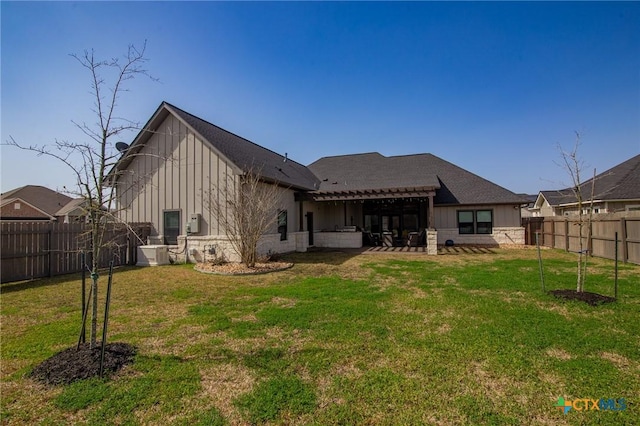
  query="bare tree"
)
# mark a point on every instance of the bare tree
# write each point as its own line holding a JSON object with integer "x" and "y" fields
{"x": 91, "y": 160}
{"x": 246, "y": 208}
{"x": 574, "y": 167}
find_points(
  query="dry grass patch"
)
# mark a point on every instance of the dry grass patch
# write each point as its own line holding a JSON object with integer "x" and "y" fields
{"x": 31, "y": 401}
{"x": 621, "y": 362}
{"x": 558, "y": 353}
{"x": 555, "y": 308}
{"x": 493, "y": 386}
{"x": 551, "y": 379}
{"x": 223, "y": 383}
{"x": 283, "y": 302}
{"x": 443, "y": 329}
{"x": 245, "y": 318}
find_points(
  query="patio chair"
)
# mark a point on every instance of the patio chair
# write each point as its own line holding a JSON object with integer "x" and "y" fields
{"x": 415, "y": 239}
{"x": 373, "y": 239}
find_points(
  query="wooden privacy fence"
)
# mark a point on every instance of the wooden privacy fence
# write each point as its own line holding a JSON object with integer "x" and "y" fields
{"x": 31, "y": 250}
{"x": 564, "y": 233}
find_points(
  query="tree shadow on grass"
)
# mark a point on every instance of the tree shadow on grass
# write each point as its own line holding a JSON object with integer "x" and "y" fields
{"x": 46, "y": 282}
{"x": 453, "y": 250}
{"x": 37, "y": 283}
{"x": 323, "y": 256}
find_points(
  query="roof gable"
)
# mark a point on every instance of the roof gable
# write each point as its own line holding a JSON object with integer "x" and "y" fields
{"x": 77, "y": 205}
{"x": 31, "y": 211}
{"x": 40, "y": 197}
{"x": 243, "y": 154}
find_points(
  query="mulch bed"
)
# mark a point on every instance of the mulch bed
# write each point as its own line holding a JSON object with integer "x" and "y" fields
{"x": 236, "y": 268}
{"x": 593, "y": 299}
{"x": 70, "y": 365}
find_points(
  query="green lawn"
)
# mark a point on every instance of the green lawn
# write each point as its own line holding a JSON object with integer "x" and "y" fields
{"x": 338, "y": 339}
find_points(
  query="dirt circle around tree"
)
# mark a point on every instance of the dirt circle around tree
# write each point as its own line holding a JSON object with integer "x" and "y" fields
{"x": 593, "y": 299}
{"x": 236, "y": 268}
{"x": 81, "y": 363}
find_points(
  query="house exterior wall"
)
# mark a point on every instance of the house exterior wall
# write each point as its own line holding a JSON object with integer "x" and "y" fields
{"x": 329, "y": 215}
{"x": 600, "y": 207}
{"x": 176, "y": 170}
{"x": 173, "y": 171}
{"x": 210, "y": 247}
{"x": 18, "y": 210}
{"x": 506, "y": 228}
{"x": 546, "y": 209}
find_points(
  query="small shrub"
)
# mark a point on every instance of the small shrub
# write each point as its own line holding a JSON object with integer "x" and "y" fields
{"x": 270, "y": 256}
{"x": 220, "y": 260}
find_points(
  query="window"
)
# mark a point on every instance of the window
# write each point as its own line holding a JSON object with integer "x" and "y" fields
{"x": 371, "y": 223}
{"x": 465, "y": 222}
{"x": 171, "y": 226}
{"x": 16, "y": 206}
{"x": 484, "y": 221}
{"x": 282, "y": 224}
{"x": 588, "y": 210}
{"x": 475, "y": 221}
{"x": 410, "y": 222}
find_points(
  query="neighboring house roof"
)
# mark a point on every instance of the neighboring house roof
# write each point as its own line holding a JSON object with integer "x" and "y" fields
{"x": 76, "y": 205}
{"x": 621, "y": 182}
{"x": 453, "y": 184}
{"x": 44, "y": 199}
{"x": 530, "y": 198}
{"x": 244, "y": 154}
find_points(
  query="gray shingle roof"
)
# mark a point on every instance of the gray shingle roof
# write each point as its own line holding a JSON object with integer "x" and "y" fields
{"x": 246, "y": 154}
{"x": 621, "y": 182}
{"x": 369, "y": 171}
{"x": 453, "y": 184}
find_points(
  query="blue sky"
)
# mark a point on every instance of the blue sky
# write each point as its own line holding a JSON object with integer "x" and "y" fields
{"x": 490, "y": 87}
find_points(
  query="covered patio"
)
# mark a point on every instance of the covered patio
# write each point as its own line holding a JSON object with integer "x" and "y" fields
{"x": 391, "y": 217}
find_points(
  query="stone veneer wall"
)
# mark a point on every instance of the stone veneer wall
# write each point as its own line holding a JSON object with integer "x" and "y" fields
{"x": 500, "y": 236}
{"x": 210, "y": 247}
{"x": 432, "y": 242}
{"x": 337, "y": 239}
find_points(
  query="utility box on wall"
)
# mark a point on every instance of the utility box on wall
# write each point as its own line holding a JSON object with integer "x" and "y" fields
{"x": 153, "y": 255}
{"x": 193, "y": 227}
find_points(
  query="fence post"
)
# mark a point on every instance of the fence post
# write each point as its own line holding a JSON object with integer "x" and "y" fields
{"x": 623, "y": 239}
{"x": 566, "y": 234}
{"x": 616, "y": 271}
{"x": 590, "y": 239}
{"x": 540, "y": 260}
{"x": 84, "y": 293}
{"x": 49, "y": 254}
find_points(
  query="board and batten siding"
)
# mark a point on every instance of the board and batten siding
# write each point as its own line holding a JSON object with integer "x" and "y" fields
{"x": 507, "y": 228}
{"x": 503, "y": 215}
{"x": 175, "y": 170}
